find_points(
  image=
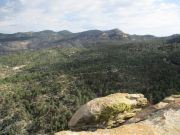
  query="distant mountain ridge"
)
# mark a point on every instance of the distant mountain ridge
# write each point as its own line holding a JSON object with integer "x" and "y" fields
{"x": 45, "y": 39}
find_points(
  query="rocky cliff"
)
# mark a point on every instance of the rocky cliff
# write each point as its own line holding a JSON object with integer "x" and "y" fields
{"x": 160, "y": 119}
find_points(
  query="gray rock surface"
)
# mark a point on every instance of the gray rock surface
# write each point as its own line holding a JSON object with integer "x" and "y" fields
{"x": 160, "y": 119}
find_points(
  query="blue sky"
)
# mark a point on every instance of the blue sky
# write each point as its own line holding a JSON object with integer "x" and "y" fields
{"x": 157, "y": 17}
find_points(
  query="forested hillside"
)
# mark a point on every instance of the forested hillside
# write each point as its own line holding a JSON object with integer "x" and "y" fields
{"x": 25, "y": 41}
{"x": 40, "y": 90}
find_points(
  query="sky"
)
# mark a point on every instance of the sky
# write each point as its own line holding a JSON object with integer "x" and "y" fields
{"x": 156, "y": 17}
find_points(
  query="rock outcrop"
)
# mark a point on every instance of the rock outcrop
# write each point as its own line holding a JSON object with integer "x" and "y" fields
{"x": 107, "y": 112}
{"x": 160, "y": 119}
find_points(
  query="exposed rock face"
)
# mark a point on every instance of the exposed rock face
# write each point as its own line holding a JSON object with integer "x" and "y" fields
{"x": 160, "y": 119}
{"x": 107, "y": 112}
{"x": 169, "y": 102}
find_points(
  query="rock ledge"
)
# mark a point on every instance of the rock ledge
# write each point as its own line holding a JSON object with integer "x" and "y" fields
{"x": 160, "y": 119}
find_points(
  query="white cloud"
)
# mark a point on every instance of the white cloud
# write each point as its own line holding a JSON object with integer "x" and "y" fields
{"x": 132, "y": 16}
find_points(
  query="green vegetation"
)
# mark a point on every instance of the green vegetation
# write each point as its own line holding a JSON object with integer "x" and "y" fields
{"x": 109, "y": 112}
{"x": 39, "y": 91}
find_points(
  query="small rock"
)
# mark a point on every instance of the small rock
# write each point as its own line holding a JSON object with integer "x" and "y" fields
{"x": 169, "y": 99}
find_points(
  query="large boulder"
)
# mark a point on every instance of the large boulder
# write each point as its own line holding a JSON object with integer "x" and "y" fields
{"x": 107, "y": 112}
{"x": 160, "y": 119}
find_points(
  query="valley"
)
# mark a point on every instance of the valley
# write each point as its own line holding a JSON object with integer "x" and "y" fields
{"x": 42, "y": 86}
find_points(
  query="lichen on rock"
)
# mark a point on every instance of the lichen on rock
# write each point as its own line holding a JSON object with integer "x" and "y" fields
{"x": 105, "y": 112}
{"x": 160, "y": 119}
{"x": 108, "y": 115}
